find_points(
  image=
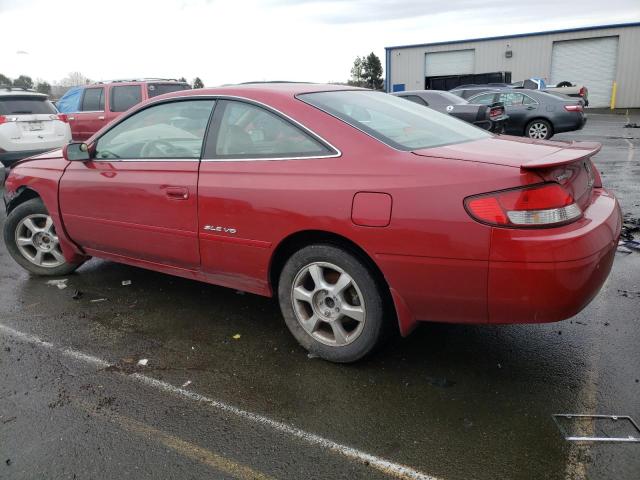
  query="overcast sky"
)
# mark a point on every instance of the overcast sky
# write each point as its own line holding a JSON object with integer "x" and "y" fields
{"x": 229, "y": 41}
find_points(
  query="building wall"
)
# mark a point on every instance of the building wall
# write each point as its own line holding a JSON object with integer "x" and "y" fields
{"x": 531, "y": 58}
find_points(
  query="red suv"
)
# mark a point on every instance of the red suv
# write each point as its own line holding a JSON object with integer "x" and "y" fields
{"x": 99, "y": 103}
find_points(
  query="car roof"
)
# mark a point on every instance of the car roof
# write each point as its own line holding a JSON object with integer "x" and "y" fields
{"x": 12, "y": 91}
{"x": 133, "y": 81}
{"x": 252, "y": 90}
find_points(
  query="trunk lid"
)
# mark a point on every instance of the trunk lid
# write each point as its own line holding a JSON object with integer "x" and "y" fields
{"x": 566, "y": 163}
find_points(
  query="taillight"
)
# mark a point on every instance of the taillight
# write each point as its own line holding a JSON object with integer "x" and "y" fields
{"x": 540, "y": 205}
{"x": 496, "y": 112}
{"x": 582, "y": 92}
{"x": 573, "y": 108}
{"x": 61, "y": 116}
{"x": 3, "y": 119}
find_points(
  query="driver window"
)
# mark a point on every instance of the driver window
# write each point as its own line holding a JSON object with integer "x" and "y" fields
{"x": 168, "y": 130}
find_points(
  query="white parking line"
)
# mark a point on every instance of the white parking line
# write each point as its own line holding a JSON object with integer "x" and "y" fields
{"x": 384, "y": 466}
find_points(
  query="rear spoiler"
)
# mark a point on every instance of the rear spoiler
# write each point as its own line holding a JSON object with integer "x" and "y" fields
{"x": 572, "y": 152}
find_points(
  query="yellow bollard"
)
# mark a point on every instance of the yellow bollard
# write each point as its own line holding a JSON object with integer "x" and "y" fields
{"x": 614, "y": 90}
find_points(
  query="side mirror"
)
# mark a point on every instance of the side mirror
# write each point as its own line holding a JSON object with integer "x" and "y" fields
{"x": 76, "y": 152}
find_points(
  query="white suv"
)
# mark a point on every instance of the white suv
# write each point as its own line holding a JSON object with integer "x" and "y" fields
{"x": 29, "y": 125}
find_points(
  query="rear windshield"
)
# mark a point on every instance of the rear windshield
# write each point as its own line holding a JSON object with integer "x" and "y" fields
{"x": 394, "y": 121}
{"x": 156, "y": 89}
{"x": 25, "y": 105}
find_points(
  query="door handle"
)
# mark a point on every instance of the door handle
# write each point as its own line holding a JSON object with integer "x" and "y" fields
{"x": 101, "y": 117}
{"x": 177, "y": 193}
{"x": 530, "y": 108}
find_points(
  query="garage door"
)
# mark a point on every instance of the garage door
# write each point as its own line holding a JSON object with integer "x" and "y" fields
{"x": 591, "y": 62}
{"x": 457, "y": 62}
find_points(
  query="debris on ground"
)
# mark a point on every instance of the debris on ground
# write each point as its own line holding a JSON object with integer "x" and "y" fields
{"x": 77, "y": 295}
{"x": 236, "y": 336}
{"x": 143, "y": 362}
{"x": 96, "y": 300}
{"x": 442, "y": 382}
{"x": 312, "y": 355}
{"x": 629, "y": 293}
{"x": 631, "y": 125}
{"x": 630, "y": 225}
{"x": 632, "y": 244}
{"x": 186, "y": 384}
{"x": 7, "y": 420}
{"x": 61, "y": 284}
{"x": 126, "y": 283}
{"x": 8, "y": 461}
{"x": 601, "y": 428}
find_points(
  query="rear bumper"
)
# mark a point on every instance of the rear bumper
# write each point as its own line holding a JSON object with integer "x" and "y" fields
{"x": 570, "y": 124}
{"x": 8, "y": 158}
{"x": 531, "y": 275}
{"x": 549, "y": 275}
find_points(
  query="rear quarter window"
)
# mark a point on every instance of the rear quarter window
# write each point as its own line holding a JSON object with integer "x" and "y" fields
{"x": 124, "y": 97}
{"x": 25, "y": 106}
{"x": 155, "y": 89}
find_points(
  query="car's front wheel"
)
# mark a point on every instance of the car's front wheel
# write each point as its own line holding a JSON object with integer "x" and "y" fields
{"x": 539, "y": 130}
{"x": 331, "y": 303}
{"x": 32, "y": 241}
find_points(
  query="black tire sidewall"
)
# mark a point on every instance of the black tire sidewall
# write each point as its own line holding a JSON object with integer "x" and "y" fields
{"x": 373, "y": 300}
{"x": 539, "y": 120}
{"x": 30, "y": 207}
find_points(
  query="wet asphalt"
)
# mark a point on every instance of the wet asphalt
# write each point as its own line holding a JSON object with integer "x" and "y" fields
{"x": 450, "y": 401}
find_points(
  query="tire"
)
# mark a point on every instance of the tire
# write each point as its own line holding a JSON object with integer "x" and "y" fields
{"x": 539, "y": 129}
{"x": 31, "y": 221}
{"x": 346, "y": 306}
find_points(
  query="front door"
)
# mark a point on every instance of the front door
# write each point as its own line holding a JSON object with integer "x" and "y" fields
{"x": 91, "y": 116}
{"x": 137, "y": 197}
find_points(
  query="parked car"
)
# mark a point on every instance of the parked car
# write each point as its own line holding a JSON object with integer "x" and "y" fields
{"x": 360, "y": 211}
{"x": 562, "y": 89}
{"x": 490, "y": 117}
{"x": 29, "y": 125}
{"x": 91, "y": 107}
{"x": 533, "y": 114}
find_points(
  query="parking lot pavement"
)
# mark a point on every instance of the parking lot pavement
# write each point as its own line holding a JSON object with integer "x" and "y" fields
{"x": 448, "y": 402}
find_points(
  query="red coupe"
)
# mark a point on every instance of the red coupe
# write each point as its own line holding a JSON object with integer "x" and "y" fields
{"x": 359, "y": 210}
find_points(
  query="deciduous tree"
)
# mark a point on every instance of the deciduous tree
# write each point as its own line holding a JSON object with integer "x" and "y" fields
{"x": 197, "y": 83}
{"x": 23, "y": 81}
{"x": 372, "y": 72}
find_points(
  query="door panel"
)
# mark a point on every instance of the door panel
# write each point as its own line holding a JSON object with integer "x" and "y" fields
{"x": 130, "y": 208}
{"x": 138, "y": 197}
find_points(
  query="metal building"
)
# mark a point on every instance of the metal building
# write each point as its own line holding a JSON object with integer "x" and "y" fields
{"x": 594, "y": 56}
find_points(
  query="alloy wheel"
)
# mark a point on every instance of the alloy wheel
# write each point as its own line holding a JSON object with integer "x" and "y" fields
{"x": 538, "y": 130}
{"x": 328, "y": 304}
{"x": 38, "y": 242}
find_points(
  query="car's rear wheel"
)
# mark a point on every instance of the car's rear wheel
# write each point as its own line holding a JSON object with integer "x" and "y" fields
{"x": 331, "y": 303}
{"x": 539, "y": 130}
{"x": 32, "y": 240}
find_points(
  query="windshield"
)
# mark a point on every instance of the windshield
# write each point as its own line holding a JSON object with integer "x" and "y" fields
{"x": 26, "y": 105}
{"x": 394, "y": 121}
{"x": 156, "y": 89}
